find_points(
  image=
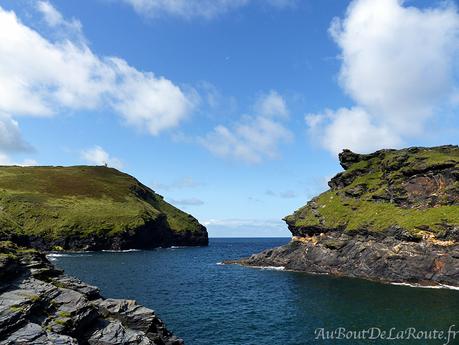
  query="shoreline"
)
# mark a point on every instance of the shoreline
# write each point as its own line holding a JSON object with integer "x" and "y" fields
{"x": 385, "y": 260}
{"x": 384, "y": 282}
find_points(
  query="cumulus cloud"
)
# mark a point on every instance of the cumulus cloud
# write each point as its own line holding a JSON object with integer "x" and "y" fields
{"x": 98, "y": 156}
{"x": 39, "y": 77}
{"x": 272, "y": 104}
{"x": 398, "y": 65}
{"x": 197, "y": 8}
{"x": 350, "y": 128}
{"x": 253, "y": 138}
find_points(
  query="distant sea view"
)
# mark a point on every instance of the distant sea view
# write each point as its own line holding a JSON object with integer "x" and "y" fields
{"x": 208, "y": 303}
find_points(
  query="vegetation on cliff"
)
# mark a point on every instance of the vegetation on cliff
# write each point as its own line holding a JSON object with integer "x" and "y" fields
{"x": 60, "y": 203}
{"x": 412, "y": 191}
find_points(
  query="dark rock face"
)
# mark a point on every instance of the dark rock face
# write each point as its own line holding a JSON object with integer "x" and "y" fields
{"x": 40, "y": 305}
{"x": 153, "y": 234}
{"x": 392, "y": 215}
{"x": 385, "y": 259}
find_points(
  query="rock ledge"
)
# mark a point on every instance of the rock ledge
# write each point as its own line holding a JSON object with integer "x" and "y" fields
{"x": 41, "y": 305}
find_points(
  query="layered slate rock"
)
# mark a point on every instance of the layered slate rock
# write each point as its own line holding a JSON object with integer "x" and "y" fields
{"x": 41, "y": 305}
{"x": 392, "y": 215}
{"x": 89, "y": 208}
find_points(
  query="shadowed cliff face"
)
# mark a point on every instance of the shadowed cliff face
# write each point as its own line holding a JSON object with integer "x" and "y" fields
{"x": 391, "y": 216}
{"x": 40, "y": 305}
{"x": 89, "y": 208}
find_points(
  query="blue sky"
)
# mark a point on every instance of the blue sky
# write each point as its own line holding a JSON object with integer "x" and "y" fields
{"x": 233, "y": 110}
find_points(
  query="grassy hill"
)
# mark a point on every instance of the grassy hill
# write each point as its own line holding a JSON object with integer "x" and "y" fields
{"x": 414, "y": 191}
{"x": 95, "y": 206}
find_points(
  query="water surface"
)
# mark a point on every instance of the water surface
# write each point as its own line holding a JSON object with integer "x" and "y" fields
{"x": 209, "y": 304}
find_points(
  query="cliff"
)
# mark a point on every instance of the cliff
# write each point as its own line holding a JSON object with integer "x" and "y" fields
{"x": 88, "y": 208}
{"x": 392, "y": 215}
{"x": 41, "y": 305}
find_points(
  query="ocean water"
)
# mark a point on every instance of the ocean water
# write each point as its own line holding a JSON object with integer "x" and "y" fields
{"x": 207, "y": 303}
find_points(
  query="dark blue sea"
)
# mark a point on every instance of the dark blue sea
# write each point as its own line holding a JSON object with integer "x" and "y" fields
{"x": 206, "y": 303}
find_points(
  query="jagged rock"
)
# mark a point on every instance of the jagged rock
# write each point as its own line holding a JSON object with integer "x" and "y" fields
{"x": 115, "y": 333}
{"x": 374, "y": 258}
{"x": 31, "y": 333}
{"x": 51, "y": 308}
{"x": 392, "y": 215}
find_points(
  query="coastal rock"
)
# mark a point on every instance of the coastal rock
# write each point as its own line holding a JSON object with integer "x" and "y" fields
{"x": 365, "y": 256}
{"x": 392, "y": 215}
{"x": 89, "y": 208}
{"x": 41, "y": 305}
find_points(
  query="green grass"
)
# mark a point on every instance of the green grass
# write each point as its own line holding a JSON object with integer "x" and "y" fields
{"x": 64, "y": 314}
{"x": 17, "y": 309}
{"x": 373, "y": 176}
{"x": 349, "y": 214}
{"x": 52, "y": 202}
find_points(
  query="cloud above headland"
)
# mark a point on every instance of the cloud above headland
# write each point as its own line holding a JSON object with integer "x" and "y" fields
{"x": 398, "y": 64}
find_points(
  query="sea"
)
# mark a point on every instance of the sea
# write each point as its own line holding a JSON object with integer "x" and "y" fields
{"x": 208, "y": 303}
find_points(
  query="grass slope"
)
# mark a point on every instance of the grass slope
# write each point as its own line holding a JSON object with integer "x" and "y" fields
{"x": 384, "y": 190}
{"x": 83, "y": 200}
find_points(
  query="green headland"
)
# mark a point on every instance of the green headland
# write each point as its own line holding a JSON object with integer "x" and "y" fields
{"x": 89, "y": 207}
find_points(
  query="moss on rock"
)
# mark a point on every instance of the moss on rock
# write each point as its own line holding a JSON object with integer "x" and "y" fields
{"x": 413, "y": 190}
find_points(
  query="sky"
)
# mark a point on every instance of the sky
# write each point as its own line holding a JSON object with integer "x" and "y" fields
{"x": 233, "y": 110}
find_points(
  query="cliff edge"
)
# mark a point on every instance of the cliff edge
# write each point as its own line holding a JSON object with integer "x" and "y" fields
{"x": 89, "y": 208}
{"x": 392, "y": 216}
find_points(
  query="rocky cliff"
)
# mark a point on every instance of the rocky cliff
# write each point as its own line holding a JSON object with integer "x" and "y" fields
{"x": 41, "y": 305}
{"x": 392, "y": 215}
{"x": 88, "y": 208}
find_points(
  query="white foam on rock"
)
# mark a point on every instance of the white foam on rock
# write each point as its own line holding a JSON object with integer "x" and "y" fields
{"x": 441, "y": 286}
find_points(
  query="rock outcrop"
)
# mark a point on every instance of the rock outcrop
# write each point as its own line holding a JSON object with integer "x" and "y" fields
{"x": 41, "y": 305}
{"x": 89, "y": 208}
{"x": 392, "y": 216}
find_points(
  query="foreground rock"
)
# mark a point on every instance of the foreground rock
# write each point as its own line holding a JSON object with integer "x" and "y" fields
{"x": 89, "y": 208}
{"x": 390, "y": 216}
{"x": 40, "y": 305}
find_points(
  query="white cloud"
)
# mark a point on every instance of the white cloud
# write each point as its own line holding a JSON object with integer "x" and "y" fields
{"x": 350, "y": 128}
{"x": 6, "y": 160}
{"x": 50, "y": 14}
{"x": 10, "y": 135}
{"x": 272, "y": 105}
{"x": 39, "y": 77}
{"x": 98, "y": 156}
{"x": 55, "y": 19}
{"x": 253, "y": 138}
{"x": 146, "y": 101}
{"x": 398, "y": 65}
{"x": 187, "y": 202}
{"x": 197, "y": 8}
